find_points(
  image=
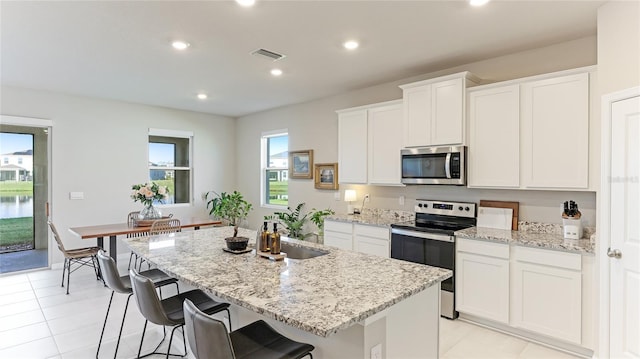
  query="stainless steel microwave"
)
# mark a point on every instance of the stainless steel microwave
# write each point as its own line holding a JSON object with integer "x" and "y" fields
{"x": 434, "y": 165}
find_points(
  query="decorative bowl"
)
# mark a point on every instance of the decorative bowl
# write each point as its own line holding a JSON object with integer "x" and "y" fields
{"x": 237, "y": 243}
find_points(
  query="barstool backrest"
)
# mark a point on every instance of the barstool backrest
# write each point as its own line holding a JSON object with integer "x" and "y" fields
{"x": 147, "y": 299}
{"x": 110, "y": 274}
{"x": 207, "y": 336}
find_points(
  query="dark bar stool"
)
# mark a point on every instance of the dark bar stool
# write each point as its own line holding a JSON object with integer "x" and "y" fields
{"x": 169, "y": 312}
{"x": 208, "y": 338}
{"x": 122, "y": 285}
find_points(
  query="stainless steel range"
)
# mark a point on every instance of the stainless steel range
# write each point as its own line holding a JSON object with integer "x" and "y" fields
{"x": 430, "y": 240}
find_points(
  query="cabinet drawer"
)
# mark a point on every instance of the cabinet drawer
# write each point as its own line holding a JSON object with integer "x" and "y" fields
{"x": 548, "y": 257}
{"x": 491, "y": 249}
{"x": 334, "y": 226}
{"x": 371, "y": 231}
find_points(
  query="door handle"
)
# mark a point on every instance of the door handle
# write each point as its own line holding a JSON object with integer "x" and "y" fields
{"x": 614, "y": 253}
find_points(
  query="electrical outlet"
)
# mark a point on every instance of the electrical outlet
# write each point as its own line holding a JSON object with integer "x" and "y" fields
{"x": 367, "y": 198}
{"x": 401, "y": 200}
{"x": 336, "y": 196}
{"x": 376, "y": 352}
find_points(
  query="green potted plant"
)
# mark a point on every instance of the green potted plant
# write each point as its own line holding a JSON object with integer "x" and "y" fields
{"x": 317, "y": 217}
{"x": 233, "y": 208}
{"x": 293, "y": 220}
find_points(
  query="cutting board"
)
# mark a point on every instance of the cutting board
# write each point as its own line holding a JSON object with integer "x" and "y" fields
{"x": 504, "y": 204}
{"x": 490, "y": 217}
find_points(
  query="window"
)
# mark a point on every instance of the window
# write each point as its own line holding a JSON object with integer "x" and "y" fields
{"x": 275, "y": 169}
{"x": 19, "y": 160}
{"x": 170, "y": 163}
{"x": 5, "y": 160}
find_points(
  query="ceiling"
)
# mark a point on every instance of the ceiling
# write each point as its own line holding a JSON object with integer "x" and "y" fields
{"x": 121, "y": 49}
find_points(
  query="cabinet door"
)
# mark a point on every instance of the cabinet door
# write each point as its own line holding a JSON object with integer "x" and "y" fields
{"x": 374, "y": 246}
{"x": 339, "y": 240}
{"x": 482, "y": 286}
{"x": 447, "y": 112}
{"x": 385, "y": 142}
{"x": 352, "y": 147}
{"x": 417, "y": 115}
{"x": 494, "y": 137}
{"x": 547, "y": 300}
{"x": 555, "y": 134}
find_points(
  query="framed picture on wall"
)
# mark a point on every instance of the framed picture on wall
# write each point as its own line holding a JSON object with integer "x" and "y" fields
{"x": 326, "y": 176}
{"x": 301, "y": 164}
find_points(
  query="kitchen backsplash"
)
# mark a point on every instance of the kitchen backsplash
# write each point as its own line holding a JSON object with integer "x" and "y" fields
{"x": 399, "y": 215}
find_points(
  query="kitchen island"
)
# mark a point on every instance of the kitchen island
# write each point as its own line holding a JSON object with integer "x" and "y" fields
{"x": 344, "y": 303}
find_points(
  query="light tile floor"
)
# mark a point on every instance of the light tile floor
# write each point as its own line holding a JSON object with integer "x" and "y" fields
{"x": 38, "y": 320}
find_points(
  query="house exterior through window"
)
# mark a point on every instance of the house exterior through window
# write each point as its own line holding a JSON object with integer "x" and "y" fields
{"x": 170, "y": 163}
{"x": 275, "y": 169}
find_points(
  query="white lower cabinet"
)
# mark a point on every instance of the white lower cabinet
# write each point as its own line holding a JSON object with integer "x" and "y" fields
{"x": 362, "y": 238}
{"x": 338, "y": 234}
{"x": 533, "y": 292}
{"x": 547, "y": 293}
{"x": 371, "y": 240}
{"x": 482, "y": 279}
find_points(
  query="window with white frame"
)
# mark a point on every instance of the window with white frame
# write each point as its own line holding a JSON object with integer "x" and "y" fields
{"x": 275, "y": 169}
{"x": 170, "y": 163}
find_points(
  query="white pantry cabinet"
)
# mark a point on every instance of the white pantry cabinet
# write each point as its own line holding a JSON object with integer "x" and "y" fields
{"x": 531, "y": 133}
{"x": 482, "y": 279}
{"x": 371, "y": 240}
{"x": 555, "y": 132}
{"x": 434, "y": 110}
{"x": 338, "y": 234}
{"x": 369, "y": 143}
{"x": 547, "y": 293}
{"x": 494, "y": 137}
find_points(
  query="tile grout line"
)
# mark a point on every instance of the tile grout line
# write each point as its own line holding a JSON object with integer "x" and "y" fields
{"x": 44, "y": 317}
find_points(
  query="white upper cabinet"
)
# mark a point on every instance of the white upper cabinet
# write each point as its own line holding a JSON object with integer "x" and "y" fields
{"x": 494, "y": 142}
{"x": 555, "y": 136}
{"x": 369, "y": 143}
{"x": 352, "y": 146}
{"x": 531, "y": 133}
{"x": 385, "y": 143}
{"x": 434, "y": 110}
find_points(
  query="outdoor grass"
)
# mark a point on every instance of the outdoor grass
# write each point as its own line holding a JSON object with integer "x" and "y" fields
{"x": 15, "y": 231}
{"x": 16, "y": 188}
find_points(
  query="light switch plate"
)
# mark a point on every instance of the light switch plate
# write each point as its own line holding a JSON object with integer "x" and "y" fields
{"x": 76, "y": 195}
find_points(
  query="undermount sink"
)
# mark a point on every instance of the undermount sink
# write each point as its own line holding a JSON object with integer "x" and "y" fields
{"x": 298, "y": 252}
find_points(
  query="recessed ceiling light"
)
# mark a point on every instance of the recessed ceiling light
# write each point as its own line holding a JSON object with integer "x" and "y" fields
{"x": 351, "y": 45}
{"x": 202, "y": 96}
{"x": 276, "y": 72}
{"x": 478, "y": 2}
{"x": 180, "y": 45}
{"x": 246, "y": 3}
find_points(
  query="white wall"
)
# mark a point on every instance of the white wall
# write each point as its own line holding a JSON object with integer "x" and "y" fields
{"x": 99, "y": 147}
{"x": 313, "y": 125}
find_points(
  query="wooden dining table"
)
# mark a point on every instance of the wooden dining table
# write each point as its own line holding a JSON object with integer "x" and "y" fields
{"x": 116, "y": 229}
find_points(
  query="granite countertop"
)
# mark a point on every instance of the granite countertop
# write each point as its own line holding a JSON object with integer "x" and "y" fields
{"x": 321, "y": 295}
{"x": 375, "y": 217}
{"x": 544, "y": 240}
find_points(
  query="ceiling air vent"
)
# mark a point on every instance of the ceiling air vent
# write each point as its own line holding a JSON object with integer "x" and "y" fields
{"x": 274, "y": 56}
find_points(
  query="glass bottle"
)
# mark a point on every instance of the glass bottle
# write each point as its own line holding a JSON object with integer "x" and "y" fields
{"x": 275, "y": 240}
{"x": 265, "y": 237}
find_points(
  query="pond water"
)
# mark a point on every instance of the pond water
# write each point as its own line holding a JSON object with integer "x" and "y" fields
{"x": 16, "y": 206}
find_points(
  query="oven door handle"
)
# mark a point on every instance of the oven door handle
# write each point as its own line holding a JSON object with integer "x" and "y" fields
{"x": 433, "y": 236}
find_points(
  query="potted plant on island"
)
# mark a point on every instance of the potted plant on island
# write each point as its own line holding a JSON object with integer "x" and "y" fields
{"x": 294, "y": 221}
{"x": 232, "y": 208}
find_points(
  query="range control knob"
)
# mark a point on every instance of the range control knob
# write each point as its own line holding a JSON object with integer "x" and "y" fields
{"x": 426, "y": 205}
{"x": 466, "y": 209}
{"x": 460, "y": 208}
{"x": 420, "y": 205}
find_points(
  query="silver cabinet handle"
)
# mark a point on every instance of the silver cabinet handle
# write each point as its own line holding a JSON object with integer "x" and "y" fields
{"x": 614, "y": 253}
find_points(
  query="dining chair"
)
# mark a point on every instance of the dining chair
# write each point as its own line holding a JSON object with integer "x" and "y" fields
{"x": 165, "y": 226}
{"x": 132, "y": 218}
{"x": 169, "y": 311}
{"x": 82, "y": 257}
{"x": 122, "y": 285}
{"x": 208, "y": 338}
